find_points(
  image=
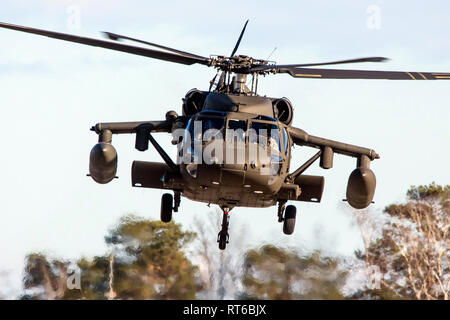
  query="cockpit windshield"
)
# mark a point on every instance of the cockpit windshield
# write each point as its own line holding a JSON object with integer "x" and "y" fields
{"x": 262, "y": 139}
{"x": 266, "y": 134}
{"x": 266, "y": 137}
{"x": 213, "y": 124}
{"x": 236, "y": 131}
{"x": 206, "y": 128}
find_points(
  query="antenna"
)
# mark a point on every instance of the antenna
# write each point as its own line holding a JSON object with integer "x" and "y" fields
{"x": 274, "y": 49}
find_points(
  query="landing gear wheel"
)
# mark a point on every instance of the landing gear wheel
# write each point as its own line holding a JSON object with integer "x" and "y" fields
{"x": 166, "y": 207}
{"x": 289, "y": 219}
{"x": 223, "y": 240}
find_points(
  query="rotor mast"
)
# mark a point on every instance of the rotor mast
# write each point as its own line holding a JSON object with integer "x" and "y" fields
{"x": 236, "y": 83}
{"x": 234, "y": 72}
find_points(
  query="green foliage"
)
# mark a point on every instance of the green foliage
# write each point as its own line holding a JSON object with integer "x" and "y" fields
{"x": 276, "y": 273}
{"x": 94, "y": 277}
{"x": 150, "y": 263}
{"x": 147, "y": 262}
{"x": 432, "y": 191}
{"x": 47, "y": 279}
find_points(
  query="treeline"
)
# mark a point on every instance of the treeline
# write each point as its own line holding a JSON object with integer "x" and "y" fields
{"x": 406, "y": 256}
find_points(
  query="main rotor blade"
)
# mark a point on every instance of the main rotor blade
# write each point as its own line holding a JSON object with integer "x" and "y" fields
{"x": 114, "y": 36}
{"x": 270, "y": 67}
{"x": 239, "y": 40}
{"x": 362, "y": 74}
{"x": 110, "y": 45}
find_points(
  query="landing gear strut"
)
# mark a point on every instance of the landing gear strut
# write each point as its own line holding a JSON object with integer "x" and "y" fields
{"x": 177, "y": 198}
{"x": 223, "y": 237}
{"x": 281, "y": 205}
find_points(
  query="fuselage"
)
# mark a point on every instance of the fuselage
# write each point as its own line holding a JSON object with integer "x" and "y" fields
{"x": 234, "y": 158}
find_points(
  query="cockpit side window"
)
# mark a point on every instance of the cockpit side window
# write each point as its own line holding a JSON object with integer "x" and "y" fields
{"x": 266, "y": 136}
{"x": 265, "y": 133}
{"x": 214, "y": 127}
{"x": 203, "y": 128}
{"x": 213, "y": 124}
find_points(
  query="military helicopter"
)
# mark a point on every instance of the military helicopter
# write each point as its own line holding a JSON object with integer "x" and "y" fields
{"x": 231, "y": 120}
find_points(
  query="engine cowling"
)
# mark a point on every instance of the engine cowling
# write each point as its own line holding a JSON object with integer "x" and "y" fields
{"x": 283, "y": 110}
{"x": 103, "y": 163}
{"x": 193, "y": 102}
{"x": 361, "y": 188}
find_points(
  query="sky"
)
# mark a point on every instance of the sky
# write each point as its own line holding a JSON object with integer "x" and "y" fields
{"x": 52, "y": 92}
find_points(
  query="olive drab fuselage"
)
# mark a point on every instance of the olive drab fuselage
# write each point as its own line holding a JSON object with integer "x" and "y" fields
{"x": 249, "y": 169}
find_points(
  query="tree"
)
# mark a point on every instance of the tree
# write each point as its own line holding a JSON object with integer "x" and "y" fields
{"x": 146, "y": 262}
{"x": 149, "y": 261}
{"x": 47, "y": 278}
{"x": 412, "y": 252}
{"x": 95, "y": 278}
{"x": 276, "y": 273}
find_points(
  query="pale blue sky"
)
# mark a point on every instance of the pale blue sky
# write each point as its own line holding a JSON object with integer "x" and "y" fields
{"x": 52, "y": 92}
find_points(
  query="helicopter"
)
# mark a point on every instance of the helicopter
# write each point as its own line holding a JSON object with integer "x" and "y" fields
{"x": 233, "y": 144}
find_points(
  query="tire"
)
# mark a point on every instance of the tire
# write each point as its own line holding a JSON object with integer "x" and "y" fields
{"x": 222, "y": 243}
{"x": 289, "y": 219}
{"x": 166, "y": 207}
